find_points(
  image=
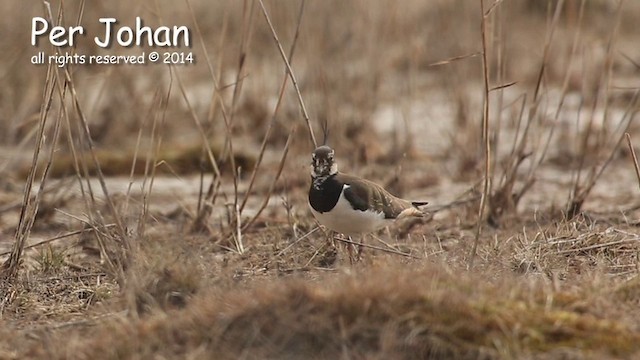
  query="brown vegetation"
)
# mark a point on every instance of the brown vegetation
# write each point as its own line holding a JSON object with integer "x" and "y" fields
{"x": 160, "y": 212}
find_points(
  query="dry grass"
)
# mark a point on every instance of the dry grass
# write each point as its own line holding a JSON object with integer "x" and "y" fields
{"x": 381, "y": 312}
{"x": 166, "y": 216}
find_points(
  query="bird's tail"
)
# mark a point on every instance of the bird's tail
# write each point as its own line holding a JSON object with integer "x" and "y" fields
{"x": 412, "y": 211}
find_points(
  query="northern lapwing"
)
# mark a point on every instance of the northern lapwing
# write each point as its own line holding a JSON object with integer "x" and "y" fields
{"x": 351, "y": 205}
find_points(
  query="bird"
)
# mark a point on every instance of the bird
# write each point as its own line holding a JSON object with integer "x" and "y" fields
{"x": 351, "y": 205}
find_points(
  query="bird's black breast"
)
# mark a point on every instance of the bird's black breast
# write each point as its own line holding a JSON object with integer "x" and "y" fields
{"x": 324, "y": 196}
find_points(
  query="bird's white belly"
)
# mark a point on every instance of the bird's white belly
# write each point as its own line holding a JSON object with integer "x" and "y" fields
{"x": 346, "y": 220}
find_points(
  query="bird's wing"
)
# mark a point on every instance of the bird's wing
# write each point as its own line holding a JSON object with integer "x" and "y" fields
{"x": 366, "y": 195}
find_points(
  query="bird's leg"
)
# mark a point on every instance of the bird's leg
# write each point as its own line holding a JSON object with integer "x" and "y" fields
{"x": 328, "y": 257}
{"x": 355, "y": 251}
{"x": 331, "y": 240}
{"x": 351, "y": 249}
{"x": 360, "y": 247}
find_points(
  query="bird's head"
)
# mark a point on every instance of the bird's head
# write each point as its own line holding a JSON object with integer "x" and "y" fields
{"x": 323, "y": 162}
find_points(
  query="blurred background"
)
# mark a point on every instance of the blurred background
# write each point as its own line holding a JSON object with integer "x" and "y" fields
{"x": 398, "y": 85}
{"x": 203, "y": 174}
{"x": 376, "y": 72}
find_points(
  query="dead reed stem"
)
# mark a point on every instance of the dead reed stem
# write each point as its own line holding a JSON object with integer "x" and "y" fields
{"x": 373, "y": 247}
{"x": 29, "y": 207}
{"x": 485, "y": 134}
{"x": 565, "y": 83}
{"x": 283, "y": 87}
{"x": 291, "y": 74}
{"x": 204, "y": 209}
{"x": 580, "y": 195}
{"x": 59, "y": 237}
{"x": 267, "y": 196}
{"x": 152, "y": 156}
{"x": 580, "y": 190}
{"x": 633, "y": 157}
